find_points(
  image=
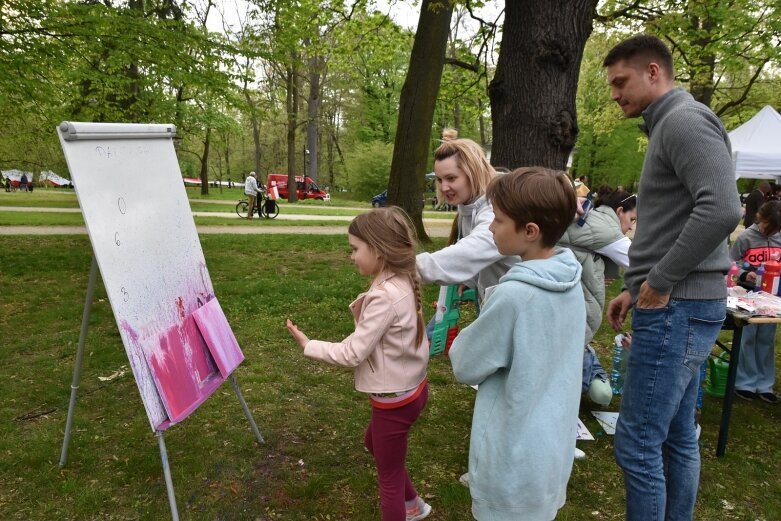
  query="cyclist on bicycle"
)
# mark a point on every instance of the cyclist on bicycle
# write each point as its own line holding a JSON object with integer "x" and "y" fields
{"x": 251, "y": 191}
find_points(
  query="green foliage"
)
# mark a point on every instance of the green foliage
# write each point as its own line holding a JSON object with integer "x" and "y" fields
{"x": 368, "y": 165}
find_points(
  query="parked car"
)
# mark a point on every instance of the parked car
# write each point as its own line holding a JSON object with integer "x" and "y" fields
{"x": 305, "y": 187}
{"x": 380, "y": 199}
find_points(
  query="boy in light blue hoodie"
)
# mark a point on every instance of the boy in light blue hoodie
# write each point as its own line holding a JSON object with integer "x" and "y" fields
{"x": 525, "y": 352}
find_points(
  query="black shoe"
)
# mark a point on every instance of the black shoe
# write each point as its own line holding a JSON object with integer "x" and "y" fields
{"x": 769, "y": 398}
{"x": 746, "y": 395}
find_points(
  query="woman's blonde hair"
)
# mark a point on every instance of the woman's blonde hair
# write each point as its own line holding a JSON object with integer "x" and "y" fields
{"x": 389, "y": 232}
{"x": 471, "y": 160}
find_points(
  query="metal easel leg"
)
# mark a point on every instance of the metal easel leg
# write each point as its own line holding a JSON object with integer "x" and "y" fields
{"x": 169, "y": 484}
{"x": 93, "y": 276}
{"x": 247, "y": 412}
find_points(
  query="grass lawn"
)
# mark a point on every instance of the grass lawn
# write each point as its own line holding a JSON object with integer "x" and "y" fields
{"x": 40, "y": 197}
{"x": 313, "y": 466}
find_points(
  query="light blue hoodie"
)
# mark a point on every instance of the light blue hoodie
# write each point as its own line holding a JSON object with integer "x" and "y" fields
{"x": 525, "y": 351}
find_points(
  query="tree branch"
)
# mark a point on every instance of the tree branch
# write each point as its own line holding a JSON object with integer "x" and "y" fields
{"x": 746, "y": 90}
{"x": 474, "y": 67}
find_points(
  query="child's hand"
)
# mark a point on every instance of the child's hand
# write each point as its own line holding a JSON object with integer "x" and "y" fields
{"x": 296, "y": 333}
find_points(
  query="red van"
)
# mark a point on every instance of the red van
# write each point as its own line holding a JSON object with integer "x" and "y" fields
{"x": 305, "y": 187}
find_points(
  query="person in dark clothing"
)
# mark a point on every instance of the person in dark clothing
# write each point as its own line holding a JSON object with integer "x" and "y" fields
{"x": 755, "y": 199}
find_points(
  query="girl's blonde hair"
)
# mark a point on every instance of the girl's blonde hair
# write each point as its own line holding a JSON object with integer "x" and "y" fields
{"x": 389, "y": 232}
{"x": 471, "y": 160}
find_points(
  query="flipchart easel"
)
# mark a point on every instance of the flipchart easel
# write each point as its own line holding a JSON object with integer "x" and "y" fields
{"x": 134, "y": 204}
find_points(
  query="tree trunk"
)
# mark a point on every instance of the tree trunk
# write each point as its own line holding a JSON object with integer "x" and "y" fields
{"x": 702, "y": 65}
{"x": 416, "y": 111}
{"x": 481, "y": 120}
{"x": 255, "y": 121}
{"x": 227, "y": 160}
{"x": 313, "y": 107}
{"x": 292, "y": 121}
{"x": 205, "y": 163}
{"x": 533, "y": 91}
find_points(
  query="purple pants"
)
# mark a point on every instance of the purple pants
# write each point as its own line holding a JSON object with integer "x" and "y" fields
{"x": 386, "y": 440}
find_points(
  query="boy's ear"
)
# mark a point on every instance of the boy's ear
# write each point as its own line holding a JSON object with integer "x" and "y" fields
{"x": 531, "y": 231}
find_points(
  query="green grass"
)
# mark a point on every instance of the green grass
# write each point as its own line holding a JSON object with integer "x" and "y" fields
{"x": 312, "y": 466}
{"x": 40, "y": 197}
{"x": 40, "y": 219}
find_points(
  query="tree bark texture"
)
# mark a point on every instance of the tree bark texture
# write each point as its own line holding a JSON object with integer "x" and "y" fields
{"x": 533, "y": 91}
{"x": 291, "y": 85}
{"x": 313, "y": 108}
{"x": 416, "y": 111}
{"x": 205, "y": 163}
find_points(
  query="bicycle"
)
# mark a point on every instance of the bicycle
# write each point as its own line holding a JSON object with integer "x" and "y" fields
{"x": 264, "y": 207}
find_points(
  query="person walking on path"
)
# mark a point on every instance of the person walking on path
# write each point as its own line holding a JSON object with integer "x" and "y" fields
{"x": 754, "y": 201}
{"x": 251, "y": 191}
{"x": 687, "y": 205}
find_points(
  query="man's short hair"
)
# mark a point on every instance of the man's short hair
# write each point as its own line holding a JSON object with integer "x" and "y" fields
{"x": 641, "y": 50}
{"x": 253, "y": 174}
{"x": 536, "y": 195}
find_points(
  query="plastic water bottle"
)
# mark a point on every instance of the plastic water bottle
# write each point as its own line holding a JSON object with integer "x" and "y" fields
{"x": 760, "y": 274}
{"x": 732, "y": 275}
{"x": 619, "y": 366}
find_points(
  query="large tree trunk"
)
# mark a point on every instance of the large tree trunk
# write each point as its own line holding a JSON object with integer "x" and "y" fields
{"x": 416, "y": 111}
{"x": 702, "y": 64}
{"x": 292, "y": 122}
{"x": 533, "y": 91}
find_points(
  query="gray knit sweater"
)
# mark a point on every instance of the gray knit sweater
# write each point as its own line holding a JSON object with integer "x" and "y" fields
{"x": 687, "y": 202}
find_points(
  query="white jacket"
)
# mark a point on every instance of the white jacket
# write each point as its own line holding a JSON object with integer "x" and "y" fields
{"x": 474, "y": 259}
{"x": 251, "y": 186}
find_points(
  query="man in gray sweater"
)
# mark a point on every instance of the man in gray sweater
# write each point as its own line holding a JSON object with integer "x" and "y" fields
{"x": 687, "y": 205}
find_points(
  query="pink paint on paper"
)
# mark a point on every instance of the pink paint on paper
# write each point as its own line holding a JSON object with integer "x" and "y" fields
{"x": 219, "y": 337}
{"x": 183, "y": 370}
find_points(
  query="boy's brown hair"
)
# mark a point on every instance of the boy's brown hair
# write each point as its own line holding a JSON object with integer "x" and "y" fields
{"x": 536, "y": 195}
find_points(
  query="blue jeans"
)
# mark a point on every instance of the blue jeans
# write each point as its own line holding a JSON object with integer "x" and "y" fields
{"x": 757, "y": 364}
{"x": 657, "y": 409}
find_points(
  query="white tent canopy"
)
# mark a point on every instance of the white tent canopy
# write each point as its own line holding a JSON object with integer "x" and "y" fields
{"x": 756, "y": 146}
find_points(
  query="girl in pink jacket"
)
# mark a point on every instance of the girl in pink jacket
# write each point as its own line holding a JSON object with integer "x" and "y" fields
{"x": 388, "y": 350}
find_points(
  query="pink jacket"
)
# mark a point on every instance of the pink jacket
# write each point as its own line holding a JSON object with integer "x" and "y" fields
{"x": 382, "y": 346}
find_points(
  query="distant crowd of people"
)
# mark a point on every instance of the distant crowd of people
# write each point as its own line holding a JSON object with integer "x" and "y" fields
{"x": 24, "y": 185}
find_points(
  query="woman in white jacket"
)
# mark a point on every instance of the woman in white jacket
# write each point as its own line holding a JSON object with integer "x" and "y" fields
{"x": 462, "y": 175}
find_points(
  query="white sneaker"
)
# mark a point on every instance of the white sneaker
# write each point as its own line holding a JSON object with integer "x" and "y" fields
{"x": 421, "y": 510}
{"x": 698, "y": 430}
{"x": 579, "y": 454}
{"x": 464, "y": 479}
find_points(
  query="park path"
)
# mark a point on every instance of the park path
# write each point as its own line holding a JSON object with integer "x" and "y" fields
{"x": 434, "y": 227}
{"x": 433, "y": 231}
